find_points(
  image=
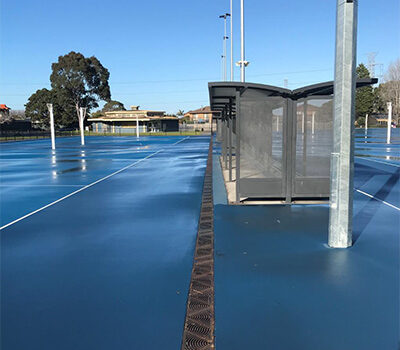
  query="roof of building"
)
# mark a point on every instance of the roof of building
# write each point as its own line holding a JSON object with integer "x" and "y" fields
{"x": 3, "y": 106}
{"x": 111, "y": 118}
{"x": 202, "y": 110}
{"x": 135, "y": 111}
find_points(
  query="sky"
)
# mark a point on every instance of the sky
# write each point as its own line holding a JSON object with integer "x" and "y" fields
{"x": 162, "y": 54}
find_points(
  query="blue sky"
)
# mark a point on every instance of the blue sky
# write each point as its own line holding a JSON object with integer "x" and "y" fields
{"x": 161, "y": 54}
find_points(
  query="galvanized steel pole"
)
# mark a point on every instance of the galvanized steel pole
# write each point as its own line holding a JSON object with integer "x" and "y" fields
{"x": 342, "y": 162}
{"x": 137, "y": 126}
{"x": 52, "y": 132}
{"x": 242, "y": 58}
{"x": 232, "y": 70}
{"x": 225, "y": 60}
{"x": 389, "y": 123}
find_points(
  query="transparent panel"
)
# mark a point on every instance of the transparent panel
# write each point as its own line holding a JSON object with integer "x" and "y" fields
{"x": 313, "y": 138}
{"x": 261, "y": 132}
{"x": 219, "y": 130}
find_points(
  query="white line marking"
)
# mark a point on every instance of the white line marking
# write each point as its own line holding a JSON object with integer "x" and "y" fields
{"x": 378, "y": 161}
{"x": 79, "y": 190}
{"x": 85, "y": 187}
{"x": 377, "y": 199}
{"x": 11, "y": 185}
{"x": 187, "y": 137}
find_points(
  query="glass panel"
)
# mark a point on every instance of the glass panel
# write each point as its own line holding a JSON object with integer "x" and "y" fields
{"x": 261, "y": 132}
{"x": 314, "y": 138}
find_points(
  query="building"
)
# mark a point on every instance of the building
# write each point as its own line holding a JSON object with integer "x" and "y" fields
{"x": 4, "y": 112}
{"x": 126, "y": 121}
{"x": 200, "y": 116}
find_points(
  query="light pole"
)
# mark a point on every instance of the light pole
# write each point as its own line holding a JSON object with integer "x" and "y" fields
{"x": 242, "y": 63}
{"x": 232, "y": 72}
{"x": 224, "y": 61}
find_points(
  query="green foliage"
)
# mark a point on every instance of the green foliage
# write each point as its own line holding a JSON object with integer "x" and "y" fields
{"x": 360, "y": 121}
{"x": 97, "y": 114}
{"x": 364, "y": 96}
{"x": 36, "y": 108}
{"x": 112, "y": 106}
{"x": 80, "y": 81}
{"x": 379, "y": 104}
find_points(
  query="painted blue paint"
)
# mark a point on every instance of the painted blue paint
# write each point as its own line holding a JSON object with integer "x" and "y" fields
{"x": 108, "y": 268}
{"x": 278, "y": 286}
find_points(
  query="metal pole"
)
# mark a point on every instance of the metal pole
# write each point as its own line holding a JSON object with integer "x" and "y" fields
{"x": 230, "y": 120}
{"x": 137, "y": 126}
{"x": 366, "y": 121}
{"x": 225, "y": 60}
{"x": 232, "y": 72}
{"x": 82, "y": 114}
{"x": 242, "y": 58}
{"x": 342, "y": 162}
{"x": 389, "y": 122}
{"x": 313, "y": 123}
{"x": 52, "y": 132}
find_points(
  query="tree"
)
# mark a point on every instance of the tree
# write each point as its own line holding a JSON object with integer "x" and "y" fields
{"x": 112, "y": 106}
{"x": 365, "y": 95}
{"x": 36, "y": 108}
{"x": 79, "y": 81}
{"x": 390, "y": 90}
{"x": 180, "y": 113}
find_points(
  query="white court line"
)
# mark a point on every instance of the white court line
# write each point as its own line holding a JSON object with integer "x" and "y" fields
{"x": 377, "y": 199}
{"x": 85, "y": 187}
{"x": 11, "y": 185}
{"x": 378, "y": 161}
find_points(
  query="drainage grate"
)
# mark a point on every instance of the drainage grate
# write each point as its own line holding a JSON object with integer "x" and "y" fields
{"x": 198, "y": 333}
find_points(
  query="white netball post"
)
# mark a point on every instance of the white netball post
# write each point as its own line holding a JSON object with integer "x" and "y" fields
{"x": 137, "y": 126}
{"x": 52, "y": 132}
{"x": 389, "y": 122}
{"x": 82, "y": 115}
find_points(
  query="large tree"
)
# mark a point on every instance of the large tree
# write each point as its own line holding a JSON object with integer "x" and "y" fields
{"x": 364, "y": 96}
{"x": 79, "y": 81}
{"x": 112, "y": 106}
{"x": 36, "y": 109}
{"x": 390, "y": 90}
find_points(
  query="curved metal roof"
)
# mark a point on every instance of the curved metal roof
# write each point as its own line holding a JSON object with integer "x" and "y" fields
{"x": 222, "y": 92}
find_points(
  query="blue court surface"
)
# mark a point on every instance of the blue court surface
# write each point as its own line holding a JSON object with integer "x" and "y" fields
{"x": 97, "y": 248}
{"x": 109, "y": 266}
{"x": 278, "y": 285}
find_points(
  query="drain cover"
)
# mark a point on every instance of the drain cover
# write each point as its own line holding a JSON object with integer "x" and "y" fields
{"x": 198, "y": 333}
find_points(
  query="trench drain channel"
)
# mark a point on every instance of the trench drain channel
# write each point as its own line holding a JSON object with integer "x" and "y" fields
{"x": 198, "y": 332}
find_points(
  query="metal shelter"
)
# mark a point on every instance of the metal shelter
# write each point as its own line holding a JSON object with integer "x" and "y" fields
{"x": 276, "y": 143}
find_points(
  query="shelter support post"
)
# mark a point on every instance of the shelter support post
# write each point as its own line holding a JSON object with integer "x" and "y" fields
{"x": 342, "y": 160}
{"x": 226, "y": 139}
{"x": 305, "y": 123}
{"x": 237, "y": 146}
{"x": 230, "y": 139}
